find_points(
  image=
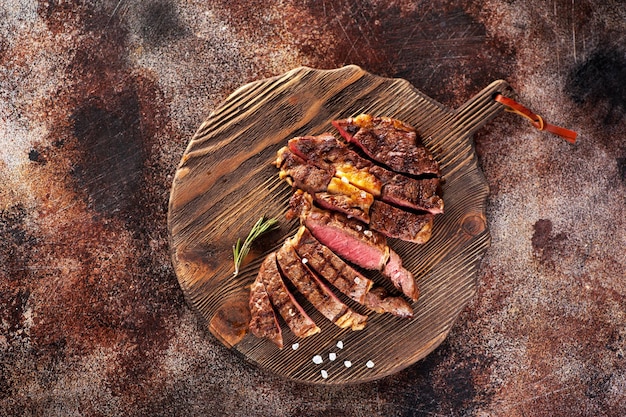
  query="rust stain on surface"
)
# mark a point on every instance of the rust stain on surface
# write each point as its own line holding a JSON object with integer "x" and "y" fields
{"x": 544, "y": 242}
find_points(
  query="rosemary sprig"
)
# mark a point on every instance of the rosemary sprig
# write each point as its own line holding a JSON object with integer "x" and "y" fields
{"x": 240, "y": 250}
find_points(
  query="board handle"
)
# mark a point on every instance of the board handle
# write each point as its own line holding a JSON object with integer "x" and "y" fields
{"x": 480, "y": 109}
{"x": 452, "y": 141}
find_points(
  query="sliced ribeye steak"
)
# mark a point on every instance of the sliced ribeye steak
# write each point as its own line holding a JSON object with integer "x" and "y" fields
{"x": 401, "y": 224}
{"x": 318, "y": 294}
{"x": 345, "y": 278}
{"x": 327, "y": 190}
{"x": 294, "y": 315}
{"x": 331, "y": 267}
{"x": 349, "y": 238}
{"x": 330, "y": 154}
{"x": 390, "y": 142}
{"x": 263, "y": 322}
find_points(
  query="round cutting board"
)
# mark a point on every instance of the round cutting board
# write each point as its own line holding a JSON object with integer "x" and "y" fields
{"x": 226, "y": 181}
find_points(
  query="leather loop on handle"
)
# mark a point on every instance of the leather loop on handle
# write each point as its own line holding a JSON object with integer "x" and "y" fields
{"x": 535, "y": 119}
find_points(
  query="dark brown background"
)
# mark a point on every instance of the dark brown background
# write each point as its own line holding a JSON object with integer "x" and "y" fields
{"x": 98, "y": 101}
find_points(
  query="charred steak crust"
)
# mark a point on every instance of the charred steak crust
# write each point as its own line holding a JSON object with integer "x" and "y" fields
{"x": 263, "y": 322}
{"x": 389, "y": 142}
{"x": 331, "y": 267}
{"x": 320, "y": 296}
{"x": 294, "y": 315}
{"x": 302, "y": 175}
{"x": 408, "y": 192}
{"x": 401, "y": 224}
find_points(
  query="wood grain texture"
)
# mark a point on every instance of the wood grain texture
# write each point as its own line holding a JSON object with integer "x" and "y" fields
{"x": 226, "y": 181}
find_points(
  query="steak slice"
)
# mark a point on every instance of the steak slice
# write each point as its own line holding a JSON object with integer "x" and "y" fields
{"x": 302, "y": 175}
{"x": 347, "y": 279}
{"x": 263, "y": 322}
{"x": 401, "y": 278}
{"x": 390, "y": 142}
{"x": 347, "y": 199}
{"x": 351, "y": 241}
{"x": 329, "y": 153}
{"x": 315, "y": 291}
{"x": 327, "y": 190}
{"x": 326, "y": 152}
{"x": 348, "y": 238}
{"x": 331, "y": 267}
{"x": 408, "y": 192}
{"x": 401, "y": 224}
{"x": 379, "y": 300}
{"x": 294, "y": 315}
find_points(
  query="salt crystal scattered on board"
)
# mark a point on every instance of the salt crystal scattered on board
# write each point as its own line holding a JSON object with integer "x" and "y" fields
{"x": 347, "y": 364}
{"x": 324, "y": 374}
{"x": 369, "y": 364}
{"x": 317, "y": 359}
{"x": 340, "y": 344}
{"x": 332, "y": 356}
{"x": 295, "y": 346}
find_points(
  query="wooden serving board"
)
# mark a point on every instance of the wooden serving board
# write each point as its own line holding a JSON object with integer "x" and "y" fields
{"x": 226, "y": 181}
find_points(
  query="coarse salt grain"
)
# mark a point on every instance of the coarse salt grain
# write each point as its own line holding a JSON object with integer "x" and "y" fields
{"x": 324, "y": 373}
{"x": 347, "y": 364}
{"x": 357, "y": 280}
{"x": 345, "y": 180}
{"x": 369, "y": 364}
{"x": 359, "y": 227}
{"x": 317, "y": 359}
{"x": 304, "y": 260}
{"x": 340, "y": 344}
{"x": 332, "y": 356}
{"x": 295, "y": 346}
{"x": 368, "y": 233}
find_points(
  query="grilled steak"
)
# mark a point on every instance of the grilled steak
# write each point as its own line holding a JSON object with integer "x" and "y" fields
{"x": 328, "y": 265}
{"x": 348, "y": 238}
{"x": 408, "y": 192}
{"x": 327, "y": 190}
{"x": 379, "y": 300}
{"x": 345, "y": 278}
{"x": 401, "y": 278}
{"x": 400, "y": 224}
{"x": 351, "y": 241}
{"x": 263, "y": 322}
{"x": 328, "y": 153}
{"x": 390, "y": 142}
{"x": 315, "y": 291}
{"x": 301, "y": 175}
{"x": 296, "y": 318}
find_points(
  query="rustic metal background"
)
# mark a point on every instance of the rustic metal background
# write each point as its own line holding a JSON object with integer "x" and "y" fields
{"x": 98, "y": 101}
